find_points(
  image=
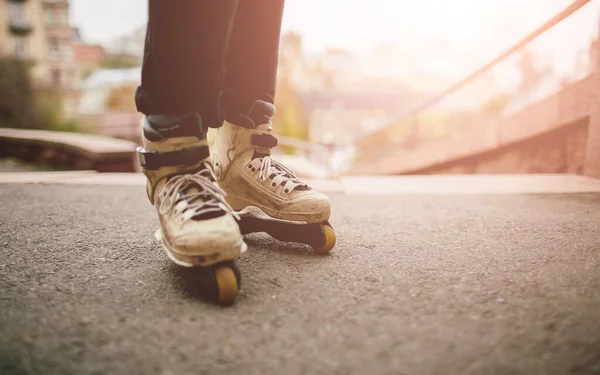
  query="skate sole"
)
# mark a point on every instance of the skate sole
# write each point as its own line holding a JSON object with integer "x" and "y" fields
{"x": 320, "y": 236}
{"x": 257, "y": 213}
{"x": 229, "y": 256}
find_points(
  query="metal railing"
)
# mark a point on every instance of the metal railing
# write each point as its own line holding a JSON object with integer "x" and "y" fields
{"x": 322, "y": 154}
{"x": 437, "y": 98}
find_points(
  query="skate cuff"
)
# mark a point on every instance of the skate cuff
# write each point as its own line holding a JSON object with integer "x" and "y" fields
{"x": 264, "y": 140}
{"x": 153, "y": 160}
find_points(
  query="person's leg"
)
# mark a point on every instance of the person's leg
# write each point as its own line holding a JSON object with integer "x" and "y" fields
{"x": 182, "y": 78}
{"x": 185, "y": 51}
{"x": 265, "y": 193}
{"x": 251, "y": 65}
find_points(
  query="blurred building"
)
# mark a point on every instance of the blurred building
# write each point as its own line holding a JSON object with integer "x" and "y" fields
{"x": 131, "y": 44}
{"x": 293, "y": 66}
{"x": 38, "y": 31}
{"x": 339, "y": 118}
{"x": 89, "y": 57}
{"x": 97, "y": 88}
{"x": 344, "y": 96}
{"x": 62, "y": 38}
{"x": 102, "y": 87}
{"x": 23, "y": 35}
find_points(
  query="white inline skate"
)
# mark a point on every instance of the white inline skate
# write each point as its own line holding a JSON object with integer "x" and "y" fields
{"x": 266, "y": 195}
{"x": 198, "y": 228}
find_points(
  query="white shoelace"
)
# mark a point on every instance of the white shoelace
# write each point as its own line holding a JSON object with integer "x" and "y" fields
{"x": 269, "y": 167}
{"x": 201, "y": 194}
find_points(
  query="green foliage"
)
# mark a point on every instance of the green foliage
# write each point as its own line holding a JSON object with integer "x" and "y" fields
{"x": 87, "y": 73}
{"x": 75, "y": 126}
{"x": 496, "y": 105}
{"x": 49, "y": 114}
{"x": 122, "y": 98}
{"x": 120, "y": 61}
{"x": 291, "y": 118}
{"x": 23, "y": 106}
{"x": 17, "y": 97}
{"x": 48, "y": 109}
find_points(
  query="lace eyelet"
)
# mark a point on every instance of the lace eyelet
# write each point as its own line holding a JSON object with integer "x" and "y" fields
{"x": 273, "y": 184}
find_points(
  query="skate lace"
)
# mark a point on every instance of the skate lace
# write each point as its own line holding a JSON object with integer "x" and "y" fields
{"x": 201, "y": 193}
{"x": 270, "y": 168}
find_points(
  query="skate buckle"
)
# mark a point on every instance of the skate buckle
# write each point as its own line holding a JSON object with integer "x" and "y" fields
{"x": 153, "y": 160}
{"x": 141, "y": 157}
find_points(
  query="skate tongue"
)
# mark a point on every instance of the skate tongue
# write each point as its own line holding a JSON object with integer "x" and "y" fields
{"x": 191, "y": 193}
{"x": 266, "y": 127}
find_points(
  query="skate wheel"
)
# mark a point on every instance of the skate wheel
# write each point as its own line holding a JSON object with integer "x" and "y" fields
{"x": 227, "y": 284}
{"x": 329, "y": 240}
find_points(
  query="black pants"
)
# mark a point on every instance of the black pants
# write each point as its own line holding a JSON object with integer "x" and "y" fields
{"x": 214, "y": 57}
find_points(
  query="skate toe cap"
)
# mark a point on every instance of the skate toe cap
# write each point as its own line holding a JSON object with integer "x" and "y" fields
{"x": 199, "y": 237}
{"x": 314, "y": 205}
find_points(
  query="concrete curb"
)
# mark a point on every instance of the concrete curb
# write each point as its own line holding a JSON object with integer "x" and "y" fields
{"x": 73, "y": 151}
{"x": 366, "y": 185}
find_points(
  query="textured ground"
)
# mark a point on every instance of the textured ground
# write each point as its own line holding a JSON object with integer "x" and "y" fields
{"x": 418, "y": 284}
{"x": 14, "y": 165}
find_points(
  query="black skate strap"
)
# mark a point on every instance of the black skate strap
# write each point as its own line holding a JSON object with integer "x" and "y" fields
{"x": 153, "y": 160}
{"x": 264, "y": 140}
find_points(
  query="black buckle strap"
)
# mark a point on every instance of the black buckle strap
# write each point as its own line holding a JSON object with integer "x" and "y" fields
{"x": 264, "y": 140}
{"x": 153, "y": 160}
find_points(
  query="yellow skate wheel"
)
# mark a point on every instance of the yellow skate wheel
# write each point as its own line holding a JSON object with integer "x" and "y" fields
{"x": 329, "y": 240}
{"x": 227, "y": 285}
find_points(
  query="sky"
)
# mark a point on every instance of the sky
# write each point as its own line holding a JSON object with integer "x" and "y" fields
{"x": 357, "y": 25}
{"x": 472, "y": 29}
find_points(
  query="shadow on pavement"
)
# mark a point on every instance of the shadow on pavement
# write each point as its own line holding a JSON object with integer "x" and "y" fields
{"x": 262, "y": 242}
{"x": 193, "y": 283}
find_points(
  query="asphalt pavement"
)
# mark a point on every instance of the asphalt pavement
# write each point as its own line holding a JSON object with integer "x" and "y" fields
{"x": 418, "y": 284}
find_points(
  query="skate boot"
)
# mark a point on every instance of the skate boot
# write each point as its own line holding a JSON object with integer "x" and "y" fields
{"x": 198, "y": 228}
{"x": 267, "y": 195}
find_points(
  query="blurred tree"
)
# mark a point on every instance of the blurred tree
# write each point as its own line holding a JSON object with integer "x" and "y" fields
{"x": 87, "y": 73}
{"x": 121, "y": 61}
{"x": 17, "y": 96}
{"x": 121, "y": 98}
{"x": 496, "y": 105}
{"x": 291, "y": 118}
{"x": 49, "y": 113}
{"x": 24, "y": 106}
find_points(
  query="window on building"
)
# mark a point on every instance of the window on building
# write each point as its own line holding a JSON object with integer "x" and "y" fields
{"x": 56, "y": 78}
{"x": 54, "y": 49}
{"x": 20, "y": 48}
{"x": 62, "y": 17}
{"x": 74, "y": 77}
{"x": 68, "y": 53}
{"x": 69, "y": 78}
{"x": 16, "y": 11}
{"x": 53, "y": 42}
{"x": 49, "y": 15}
